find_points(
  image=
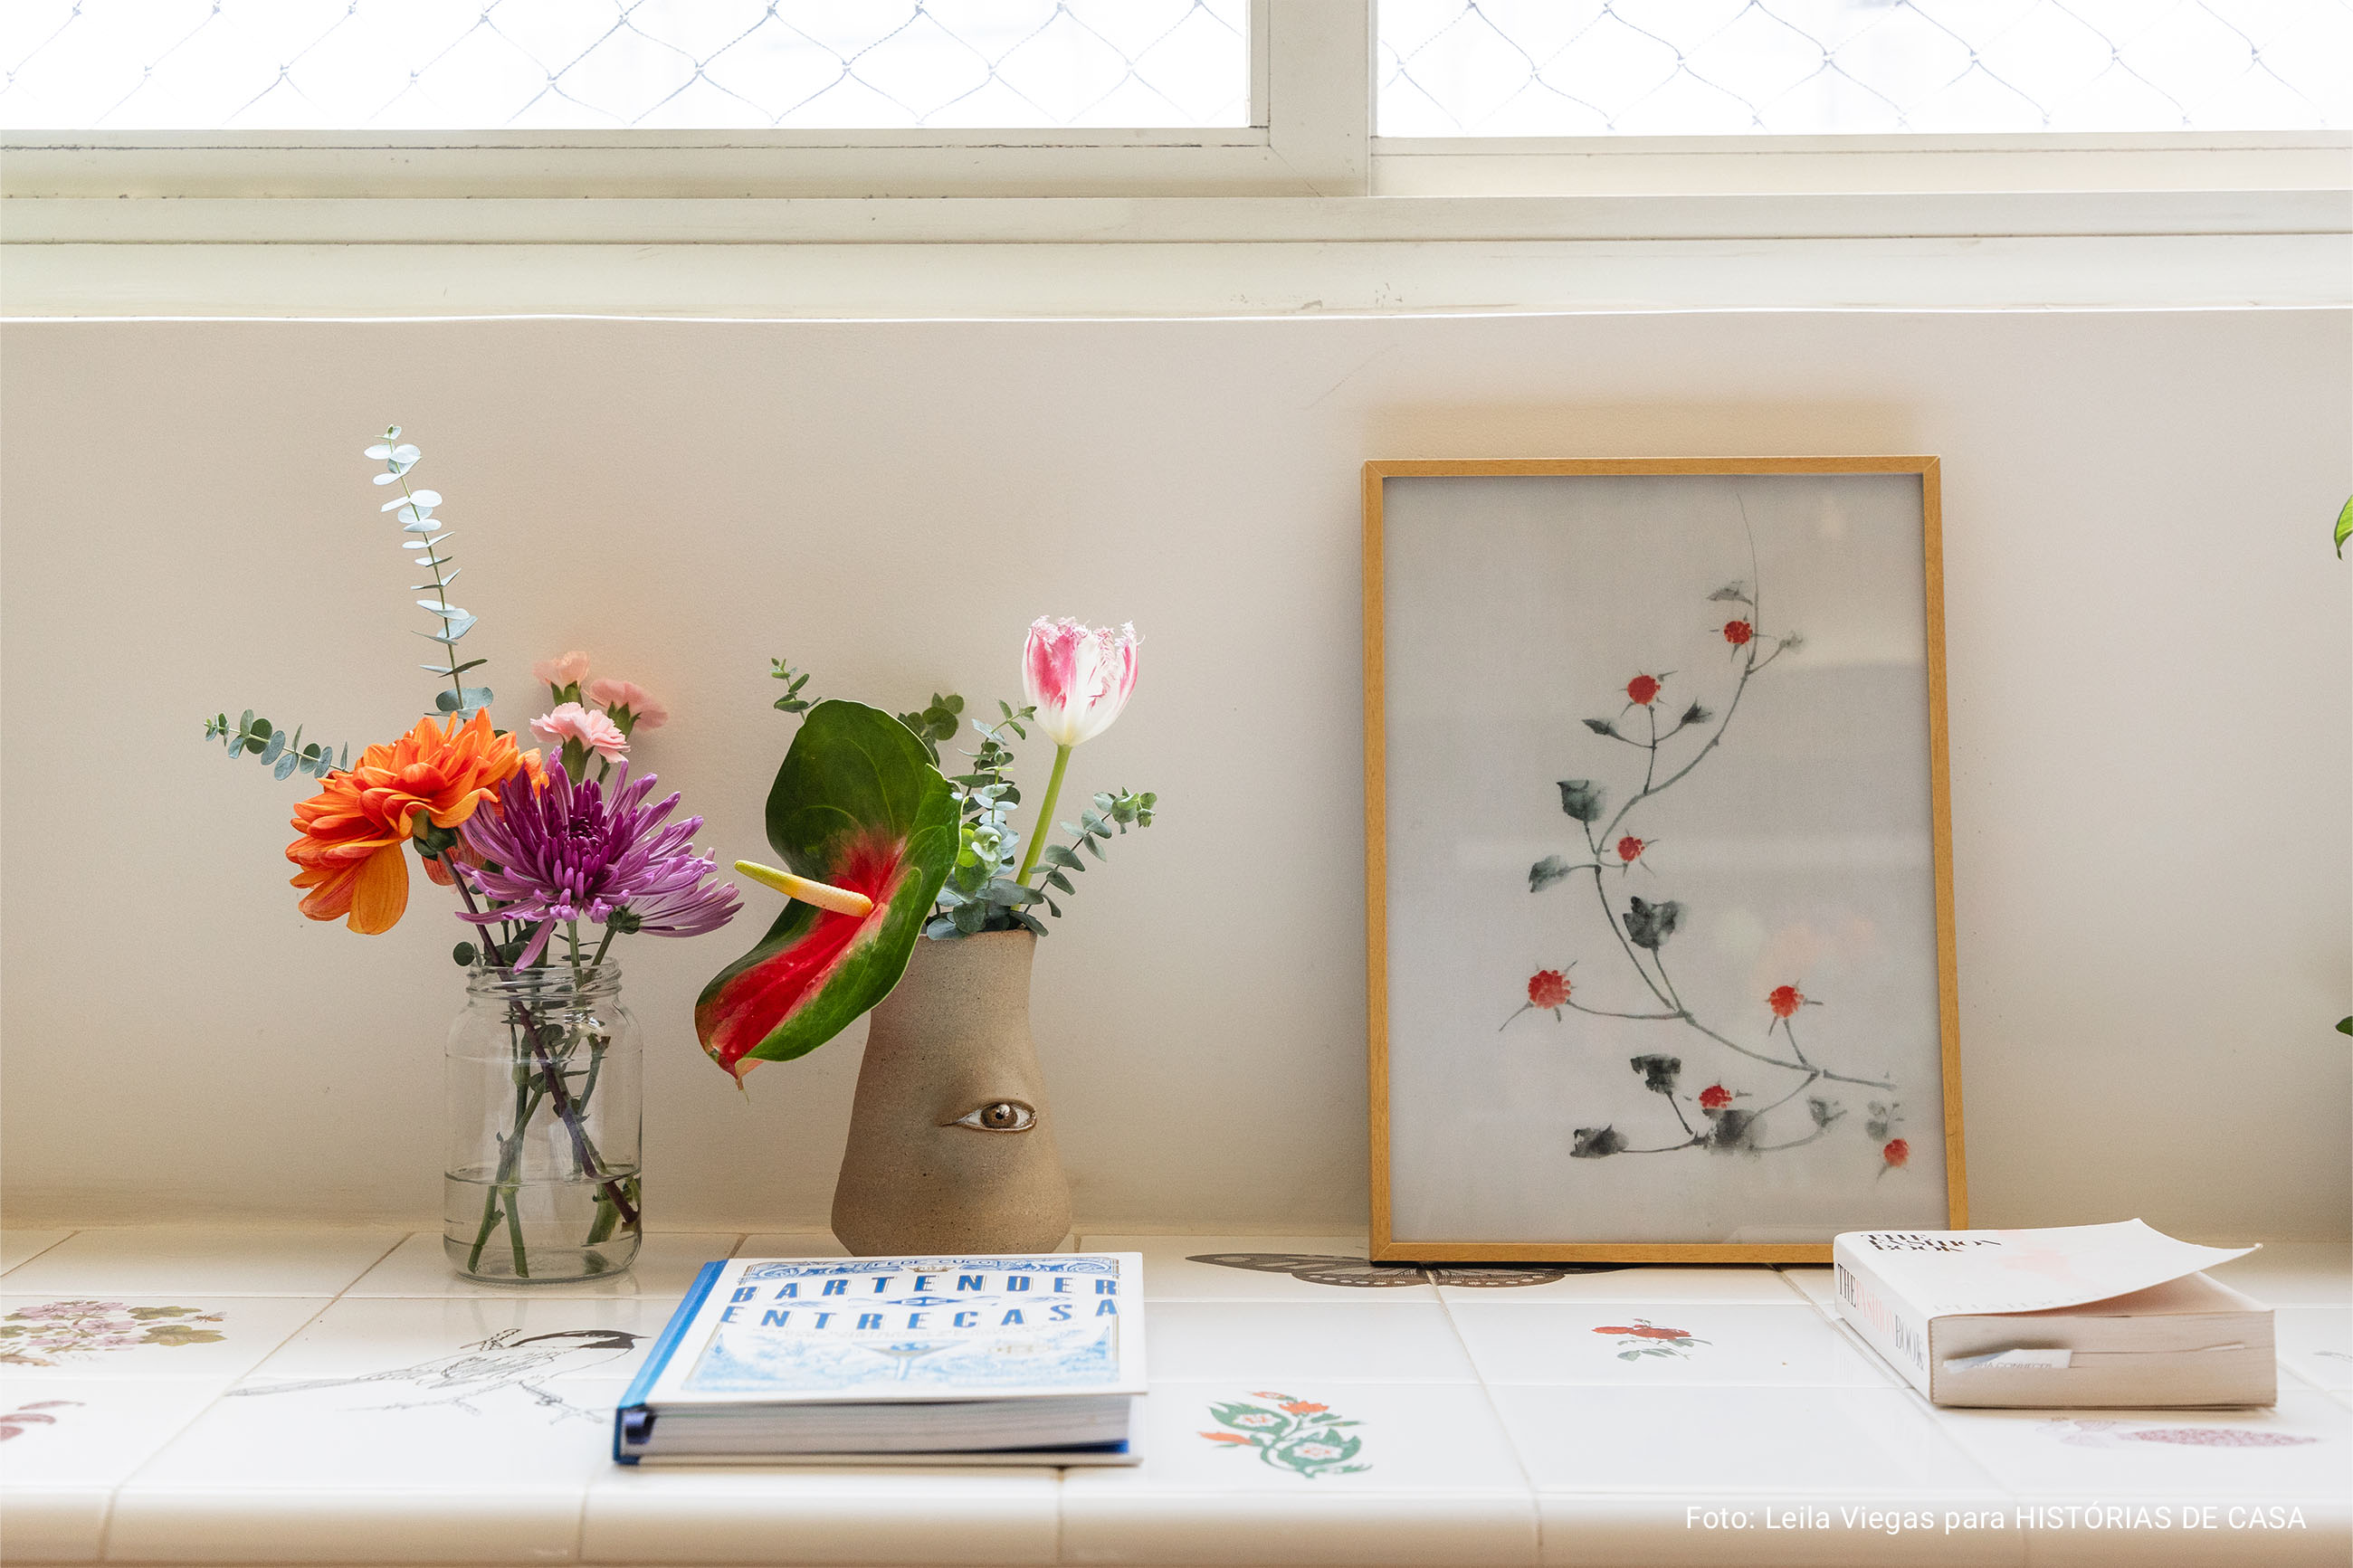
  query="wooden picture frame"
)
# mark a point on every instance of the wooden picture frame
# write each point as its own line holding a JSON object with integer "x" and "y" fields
{"x": 1466, "y": 1167}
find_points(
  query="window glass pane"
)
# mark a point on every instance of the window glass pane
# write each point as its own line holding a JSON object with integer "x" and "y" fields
{"x": 1685, "y": 68}
{"x": 463, "y": 65}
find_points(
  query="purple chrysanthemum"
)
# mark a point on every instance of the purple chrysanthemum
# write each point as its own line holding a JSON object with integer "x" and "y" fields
{"x": 586, "y": 852}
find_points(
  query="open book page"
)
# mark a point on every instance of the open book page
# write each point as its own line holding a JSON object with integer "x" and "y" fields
{"x": 1940, "y": 1272}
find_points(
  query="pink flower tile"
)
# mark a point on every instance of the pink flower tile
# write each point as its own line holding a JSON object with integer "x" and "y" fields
{"x": 2300, "y": 1449}
{"x": 43, "y": 1338}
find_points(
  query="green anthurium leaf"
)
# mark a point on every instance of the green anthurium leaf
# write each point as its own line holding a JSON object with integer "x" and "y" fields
{"x": 857, "y": 805}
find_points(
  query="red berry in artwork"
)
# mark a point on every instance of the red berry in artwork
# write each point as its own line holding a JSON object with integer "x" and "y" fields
{"x": 1642, "y": 689}
{"x": 1547, "y": 988}
{"x": 1630, "y": 849}
{"x": 1898, "y": 1154}
{"x": 1715, "y": 1097}
{"x": 1785, "y": 1000}
{"x": 1737, "y": 632}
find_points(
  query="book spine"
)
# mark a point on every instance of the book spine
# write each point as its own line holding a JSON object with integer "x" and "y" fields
{"x": 629, "y": 1433}
{"x": 1888, "y": 1324}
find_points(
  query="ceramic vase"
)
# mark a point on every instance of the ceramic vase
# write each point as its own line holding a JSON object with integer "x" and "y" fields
{"x": 951, "y": 1144}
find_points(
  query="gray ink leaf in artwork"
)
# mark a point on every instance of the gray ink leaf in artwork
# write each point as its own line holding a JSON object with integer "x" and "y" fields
{"x": 1824, "y": 1112}
{"x": 1659, "y": 1073}
{"x": 1592, "y": 1142}
{"x": 1601, "y": 726}
{"x": 1730, "y": 1132}
{"x": 1548, "y": 872}
{"x": 1697, "y": 714}
{"x": 1732, "y": 591}
{"x": 1581, "y": 798}
{"x": 1649, "y": 925}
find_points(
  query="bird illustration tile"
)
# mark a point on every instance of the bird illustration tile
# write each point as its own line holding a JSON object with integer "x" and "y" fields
{"x": 451, "y": 1339}
{"x": 1656, "y": 1344}
{"x": 67, "y": 1335}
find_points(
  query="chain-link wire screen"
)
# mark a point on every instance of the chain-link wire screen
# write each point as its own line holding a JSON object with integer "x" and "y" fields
{"x": 1681, "y": 68}
{"x": 467, "y": 65}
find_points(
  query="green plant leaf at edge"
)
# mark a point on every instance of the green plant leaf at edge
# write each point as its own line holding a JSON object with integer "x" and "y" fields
{"x": 851, "y": 773}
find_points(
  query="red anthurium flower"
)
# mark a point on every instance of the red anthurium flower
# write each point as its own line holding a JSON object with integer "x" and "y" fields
{"x": 1785, "y": 1000}
{"x": 1737, "y": 632}
{"x": 1547, "y": 988}
{"x": 1897, "y": 1154}
{"x": 1642, "y": 689}
{"x": 1630, "y": 849}
{"x": 1715, "y": 1097}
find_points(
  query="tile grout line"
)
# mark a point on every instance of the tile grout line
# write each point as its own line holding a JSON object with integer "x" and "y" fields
{"x": 114, "y": 1495}
{"x": 1511, "y": 1440}
{"x": 38, "y": 1252}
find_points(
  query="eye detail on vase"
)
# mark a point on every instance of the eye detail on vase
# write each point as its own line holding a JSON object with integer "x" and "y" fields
{"x": 998, "y": 1116}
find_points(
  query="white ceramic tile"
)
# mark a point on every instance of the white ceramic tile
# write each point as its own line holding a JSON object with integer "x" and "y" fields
{"x": 2191, "y": 1533}
{"x": 42, "y": 1338}
{"x": 1744, "y": 1532}
{"x": 202, "y": 1260}
{"x": 1816, "y": 1285}
{"x": 2294, "y": 1274}
{"x": 1431, "y": 1478}
{"x": 811, "y": 1514}
{"x": 1704, "y": 1444}
{"x": 18, "y": 1246}
{"x": 1171, "y": 1275}
{"x": 1263, "y": 1343}
{"x": 445, "y": 1337}
{"x": 666, "y": 1266}
{"x": 790, "y": 1243}
{"x": 373, "y": 1473}
{"x": 1657, "y": 1345}
{"x": 2317, "y": 1343}
{"x": 65, "y": 1445}
{"x": 2300, "y": 1448}
{"x": 1664, "y": 1282}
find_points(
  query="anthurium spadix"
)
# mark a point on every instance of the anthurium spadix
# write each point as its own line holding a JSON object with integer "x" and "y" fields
{"x": 857, "y": 806}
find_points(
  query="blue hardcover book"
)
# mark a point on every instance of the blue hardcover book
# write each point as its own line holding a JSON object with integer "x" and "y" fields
{"x": 1016, "y": 1358}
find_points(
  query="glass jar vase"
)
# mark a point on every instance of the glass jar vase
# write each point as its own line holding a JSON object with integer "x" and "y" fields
{"x": 542, "y": 1079}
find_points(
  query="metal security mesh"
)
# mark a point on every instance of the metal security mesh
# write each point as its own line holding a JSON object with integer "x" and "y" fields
{"x": 1669, "y": 67}
{"x": 607, "y": 64}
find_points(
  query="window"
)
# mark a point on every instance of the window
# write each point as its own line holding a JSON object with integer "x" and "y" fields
{"x": 619, "y": 64}
{"x": 1683, "y": 67}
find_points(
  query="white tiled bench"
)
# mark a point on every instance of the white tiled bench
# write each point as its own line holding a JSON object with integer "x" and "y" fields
{"x": 359, "y": 1405}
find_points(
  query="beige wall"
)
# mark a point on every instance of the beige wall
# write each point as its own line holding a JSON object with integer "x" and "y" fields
{"x": 2149, "y": 670}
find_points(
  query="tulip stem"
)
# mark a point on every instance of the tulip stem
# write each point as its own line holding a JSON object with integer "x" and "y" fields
{"x": 1045, "y": 814}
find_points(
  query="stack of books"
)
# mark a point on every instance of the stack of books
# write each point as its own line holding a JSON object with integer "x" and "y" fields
{"x": 1023, "y": 1359}
{"x": 2093, "y": 1315}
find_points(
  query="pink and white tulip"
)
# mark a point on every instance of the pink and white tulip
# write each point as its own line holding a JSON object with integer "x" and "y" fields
{"x": 1078, "y": 677}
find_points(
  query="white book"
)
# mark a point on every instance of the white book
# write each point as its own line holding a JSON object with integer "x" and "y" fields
{"x": 2084, "y": 1316}
{"x": 1016, "y": 1359}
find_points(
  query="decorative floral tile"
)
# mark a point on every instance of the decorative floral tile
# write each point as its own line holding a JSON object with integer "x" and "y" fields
{"x": 1331, "y": 1269}
{"x": 1267, "y": 1343}
{"x": 2317, "y": 1343}
{"x": 1756, "y": 1284}
{"x": 1705, "y": 1443}
{"x": 666, "y": 1265}
{"x": 392, "y": 1339}
{"x": 1659, "y": 1343}
{"x": 1307, "y": 1471}
{"x": 44, "y": 1337}
{"x": 21, "y": 1246}
{"x": 2302, "y": 1448}
{"x": 190, "y": 1262}
{"x": 65, "y": 1445}
{"x": 639, "y": 1514}
{"x": 367, "y": 1472}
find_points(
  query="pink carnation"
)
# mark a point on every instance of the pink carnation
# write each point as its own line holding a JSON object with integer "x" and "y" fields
{"x": 570, "y": 722}
{"x": 645, "y": 713}
{"x": 563, "y": 670}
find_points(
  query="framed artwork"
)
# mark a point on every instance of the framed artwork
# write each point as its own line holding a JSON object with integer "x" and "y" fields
{"x": 1658, "y": 860}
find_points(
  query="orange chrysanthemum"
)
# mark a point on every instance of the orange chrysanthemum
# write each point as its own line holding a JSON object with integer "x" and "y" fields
{"x": 356, "y": 831}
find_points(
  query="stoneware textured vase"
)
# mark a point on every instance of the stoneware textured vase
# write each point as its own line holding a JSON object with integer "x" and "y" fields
{"x": 951, "y": 1145}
